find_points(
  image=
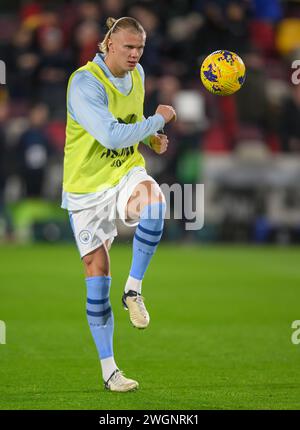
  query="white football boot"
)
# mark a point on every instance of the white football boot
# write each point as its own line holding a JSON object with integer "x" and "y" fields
{"x": 134, "y": 303}
{"x": 118, "y": 382}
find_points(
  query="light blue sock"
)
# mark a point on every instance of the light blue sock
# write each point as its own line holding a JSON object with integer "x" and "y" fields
{"x": 146, "y": 238}
{"x": 99, "y": 314}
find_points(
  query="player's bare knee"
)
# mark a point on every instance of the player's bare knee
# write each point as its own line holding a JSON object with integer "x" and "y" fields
{"x": 96, "y": 268}
{"x": 97, "y": 262}
{"x": 149, "y": 193}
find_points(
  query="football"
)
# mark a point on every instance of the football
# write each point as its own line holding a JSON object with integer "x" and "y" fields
{"x": 223, "y": 73}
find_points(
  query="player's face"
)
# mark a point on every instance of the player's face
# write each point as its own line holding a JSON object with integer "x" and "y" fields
{"x": 126, "y": 48}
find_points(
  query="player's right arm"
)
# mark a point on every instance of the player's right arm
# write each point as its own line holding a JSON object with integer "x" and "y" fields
{"x": 88, "y": 105}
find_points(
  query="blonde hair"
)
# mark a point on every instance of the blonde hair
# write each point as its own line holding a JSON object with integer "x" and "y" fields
{"x": 114, "y": 25}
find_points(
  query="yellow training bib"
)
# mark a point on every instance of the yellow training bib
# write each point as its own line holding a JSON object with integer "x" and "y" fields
{"x": 89, "y": 166}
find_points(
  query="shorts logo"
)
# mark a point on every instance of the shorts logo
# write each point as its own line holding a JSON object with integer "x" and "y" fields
{"x": 85, "y": 237}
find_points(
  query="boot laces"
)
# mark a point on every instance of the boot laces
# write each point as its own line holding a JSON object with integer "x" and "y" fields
{"x": 140, "y": 302}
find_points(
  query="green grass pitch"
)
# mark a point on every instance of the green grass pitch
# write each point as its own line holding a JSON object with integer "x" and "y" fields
{"x": 219, "y": 336}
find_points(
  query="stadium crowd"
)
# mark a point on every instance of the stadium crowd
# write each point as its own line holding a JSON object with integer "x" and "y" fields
{"x": 42, "y": 42}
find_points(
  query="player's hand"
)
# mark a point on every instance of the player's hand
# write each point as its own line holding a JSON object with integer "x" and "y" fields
{"x": 168, "y": 112}
{"x": 159, "y": 143}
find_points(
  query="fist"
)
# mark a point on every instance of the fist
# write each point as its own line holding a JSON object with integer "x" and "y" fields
{"x": 168, "y": 112}
{"x": 159, "y": 143}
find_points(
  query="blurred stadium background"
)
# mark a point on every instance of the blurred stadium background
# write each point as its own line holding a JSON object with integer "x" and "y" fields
{"x": 244, "y": 148}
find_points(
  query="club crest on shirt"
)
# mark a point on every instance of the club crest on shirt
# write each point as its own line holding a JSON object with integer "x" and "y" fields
{"x": 85, "y": 237}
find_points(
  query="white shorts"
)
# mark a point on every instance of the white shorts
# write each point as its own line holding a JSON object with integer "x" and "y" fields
{"x": 95, "y": 225}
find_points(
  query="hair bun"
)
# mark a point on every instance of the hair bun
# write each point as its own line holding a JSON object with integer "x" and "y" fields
{"x": 110, "y": 22}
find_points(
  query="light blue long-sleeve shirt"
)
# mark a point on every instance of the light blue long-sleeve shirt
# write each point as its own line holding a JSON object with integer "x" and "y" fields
{"x": 88, "y": 105}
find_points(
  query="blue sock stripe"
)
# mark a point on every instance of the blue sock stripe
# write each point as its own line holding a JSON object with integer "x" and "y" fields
{"x": 146, "y": 242}
{"x": 98, "y": 314}
{"x": 151, "y": 232}
{"x": 97, "y": 308}
{"x": 97, "y": 302}
{"x": 148, "y": 237}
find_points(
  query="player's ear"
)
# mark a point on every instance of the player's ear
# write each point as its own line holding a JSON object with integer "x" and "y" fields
{"x": 109, "y": 44}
